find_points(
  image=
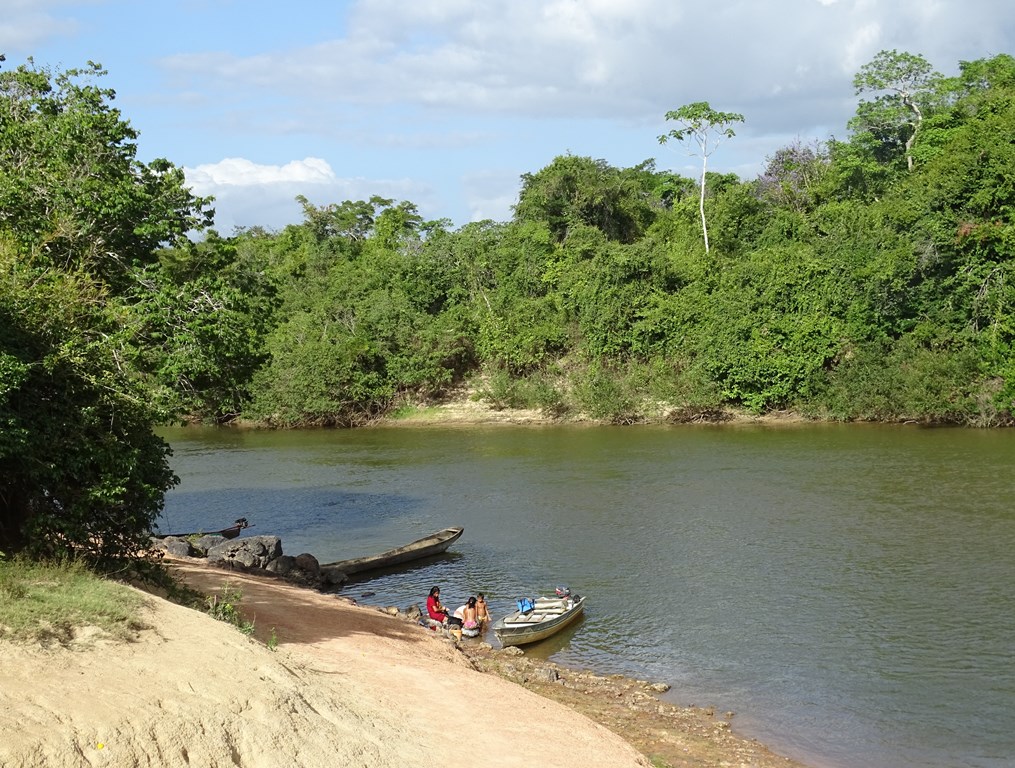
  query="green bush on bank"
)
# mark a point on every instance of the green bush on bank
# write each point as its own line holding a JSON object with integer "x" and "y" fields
{"x": 869, "y": 278}
{"x": 49, "y": 602}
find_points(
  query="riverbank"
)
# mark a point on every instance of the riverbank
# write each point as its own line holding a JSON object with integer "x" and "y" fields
{"x": 467, "y": 407}
{"x": 665, "y": 735}
{"x": 344, "y": 685}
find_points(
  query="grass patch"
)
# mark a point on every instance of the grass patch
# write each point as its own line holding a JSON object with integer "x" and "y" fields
{"x": 49, "y": 602}
{"x": 409, "y": 412}
{"x": 224, "y": 607}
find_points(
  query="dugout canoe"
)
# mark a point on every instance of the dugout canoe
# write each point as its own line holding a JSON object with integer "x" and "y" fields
{"x": 433, "y": 544}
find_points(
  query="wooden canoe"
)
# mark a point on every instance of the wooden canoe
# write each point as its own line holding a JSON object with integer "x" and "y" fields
{"x": 433, "y": 544}
{"x": 546, "y": 619}
{"x": 229, "y": 533}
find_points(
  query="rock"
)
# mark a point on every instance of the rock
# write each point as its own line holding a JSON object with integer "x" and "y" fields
{"x": 658, "y": 687}
{"x": 205, "y": 543}
{"x": 281, "y": 565}
{"x": 512, "y": 650}
{"x": 248, "y": 552}
{"x": 546, "y": 675}
{"x": 309, "y": 568}
{"x": 309, "y": 565}
{"x": 413, "y": 613}
{"x": 173, "y": 545}
{"x": 391, "y": 610}
{"x": 302, "y": 569}
{"x": 331, "y": 576}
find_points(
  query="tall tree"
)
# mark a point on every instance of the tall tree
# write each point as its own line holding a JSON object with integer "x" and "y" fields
{"x": 573, "y": 191}
{"x": 707, "y": 128}
{"x": 902, "y": 80}
{"x": 82, "y": 472}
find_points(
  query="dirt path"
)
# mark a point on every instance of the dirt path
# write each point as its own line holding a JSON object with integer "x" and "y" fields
{"x": 346, "y": 686}
{"x": 669, "y": 735}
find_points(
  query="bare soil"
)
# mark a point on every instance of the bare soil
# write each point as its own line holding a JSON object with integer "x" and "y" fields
{"x": 345, "y": 685}
{"x": 464, "y": 407}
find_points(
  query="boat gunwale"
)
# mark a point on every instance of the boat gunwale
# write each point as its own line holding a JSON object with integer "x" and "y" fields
{"x": 524, "y": 633}
{"x": 432, "y": 544}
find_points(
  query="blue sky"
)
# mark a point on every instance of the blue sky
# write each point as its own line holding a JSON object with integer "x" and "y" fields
{"x": 447, "y": 102}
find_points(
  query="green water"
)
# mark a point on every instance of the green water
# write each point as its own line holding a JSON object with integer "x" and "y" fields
{"x": 846, "y": 590}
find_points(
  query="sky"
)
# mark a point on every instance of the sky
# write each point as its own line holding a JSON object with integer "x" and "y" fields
{"x": 446, "y": 103}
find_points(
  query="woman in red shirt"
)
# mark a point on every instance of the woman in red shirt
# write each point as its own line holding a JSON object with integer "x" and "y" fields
{"x": 436, "y": 610}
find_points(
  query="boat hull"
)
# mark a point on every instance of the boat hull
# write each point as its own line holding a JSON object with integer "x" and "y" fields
{"x": 433, "y": 544}
{"x": 228, "y": 533}
{"x": 514, "y": 630}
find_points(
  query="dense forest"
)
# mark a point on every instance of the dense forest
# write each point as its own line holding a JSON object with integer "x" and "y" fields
{"x": 869, "y": 278}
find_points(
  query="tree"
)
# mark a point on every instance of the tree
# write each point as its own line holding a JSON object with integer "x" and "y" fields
{"x": 908, "y": 79}
{"x": 792, "y": 175}
{"x": 573, "y": 191}
{"x": 707, "y": 128}
{"x": 82, "y": 472}
{"x": 201, "y": 316}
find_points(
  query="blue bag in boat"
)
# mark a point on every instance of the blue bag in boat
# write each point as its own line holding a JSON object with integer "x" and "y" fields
{"x": 525, "y": 605}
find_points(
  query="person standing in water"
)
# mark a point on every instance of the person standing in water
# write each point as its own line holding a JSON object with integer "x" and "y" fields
{"x": 482, "y": 611}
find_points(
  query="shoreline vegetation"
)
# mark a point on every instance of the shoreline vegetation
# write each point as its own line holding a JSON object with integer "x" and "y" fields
{"x": 864, "y": 280}
{"x": 297, "y": 630}
{"x": 469, "y": 407}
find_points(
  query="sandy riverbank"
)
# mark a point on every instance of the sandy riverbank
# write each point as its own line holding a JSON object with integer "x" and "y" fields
{"x": 347, "y": 685}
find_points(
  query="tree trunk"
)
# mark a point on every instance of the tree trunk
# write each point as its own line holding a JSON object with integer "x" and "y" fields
{"x": 701, "y": 200}
{"x": 916, "y": 127}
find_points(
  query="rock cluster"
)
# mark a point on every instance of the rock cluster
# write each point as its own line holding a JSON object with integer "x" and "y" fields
{"x": 252, "y": 553}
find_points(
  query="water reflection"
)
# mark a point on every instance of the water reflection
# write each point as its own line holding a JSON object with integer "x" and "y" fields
{"x": 845, "y": 590}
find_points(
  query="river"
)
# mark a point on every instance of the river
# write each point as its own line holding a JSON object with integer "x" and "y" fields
{"x": 846, "y": 590}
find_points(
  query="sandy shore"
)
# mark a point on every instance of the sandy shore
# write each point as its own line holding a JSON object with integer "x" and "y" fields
{"x": 346, "y": 685}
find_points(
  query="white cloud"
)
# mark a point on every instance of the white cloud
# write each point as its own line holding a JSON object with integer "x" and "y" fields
{"x": 596, "y": 58}
{"x": 238, "y": 171}
{"x": 26, "y": 23}
{"x": 491, "y": 194}
{"x": 249, "y": 194}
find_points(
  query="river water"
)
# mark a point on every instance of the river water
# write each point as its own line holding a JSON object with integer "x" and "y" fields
{"x": 845, "y": 590}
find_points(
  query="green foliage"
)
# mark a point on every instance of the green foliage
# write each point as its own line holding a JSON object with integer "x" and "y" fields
{"x": 765, "y": 336}
{"x": 71, "y": 189}
{"x": 702, "y": 124}
{"x": 868, "y": 278}
{"x": 46, "y": 602}
{"x": 707, "y": 128}
{"x": 574, "y": 191}
{"x": 603, "y": 395}
{"x": 905, "y": 381}
{"x": 225, "y": 607}
{"x": 541, "y": 391}
{"x": 200, "y": 322}
{"x": 906, "y": 84}
{"x": 81, "y": 472}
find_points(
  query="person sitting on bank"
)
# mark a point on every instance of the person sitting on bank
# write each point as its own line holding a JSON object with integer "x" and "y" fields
{"x": 436, "y": 610}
